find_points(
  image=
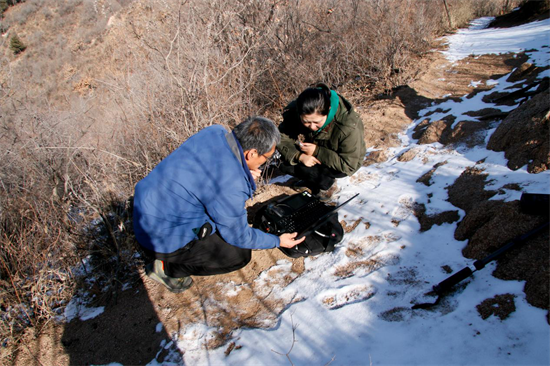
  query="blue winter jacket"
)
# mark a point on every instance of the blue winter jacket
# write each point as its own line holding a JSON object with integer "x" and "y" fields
{"x": 206, "y": 179}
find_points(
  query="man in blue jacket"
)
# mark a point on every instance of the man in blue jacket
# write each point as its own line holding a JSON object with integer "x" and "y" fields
{"x": 189, "y": 211}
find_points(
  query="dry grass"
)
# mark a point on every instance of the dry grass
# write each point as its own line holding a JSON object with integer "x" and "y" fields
{"x": 350, "y": 228}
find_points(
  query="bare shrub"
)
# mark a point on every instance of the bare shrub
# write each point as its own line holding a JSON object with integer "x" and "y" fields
{"x": 55, "y": 210}
{"x": 24, "y": 12}
{"x": 393, "y": 37}
{"x": 217, "y": 62}
{"x": 463, "y": 11}
{"x": 306, "y": 42}
{"x": 35, "y": 249}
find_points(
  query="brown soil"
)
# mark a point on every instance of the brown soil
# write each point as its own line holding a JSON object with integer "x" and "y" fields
{"x": 126, "y": 331}
{"x": 500, "y": 305}
{"x": 427, "y": 221}
{"x": 468, "y": 190}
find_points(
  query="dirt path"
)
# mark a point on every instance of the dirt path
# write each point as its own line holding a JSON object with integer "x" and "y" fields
{"x": 130, "y": 331}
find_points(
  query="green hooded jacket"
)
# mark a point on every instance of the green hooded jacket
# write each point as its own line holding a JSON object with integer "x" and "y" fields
{"x": 340, "y": 145}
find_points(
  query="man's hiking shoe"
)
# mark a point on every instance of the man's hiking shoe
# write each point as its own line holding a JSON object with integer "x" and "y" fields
{"x": 155, "y": 271}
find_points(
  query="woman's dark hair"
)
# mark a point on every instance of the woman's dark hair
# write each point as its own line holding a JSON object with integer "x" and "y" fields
{"x": 314, "y": 100}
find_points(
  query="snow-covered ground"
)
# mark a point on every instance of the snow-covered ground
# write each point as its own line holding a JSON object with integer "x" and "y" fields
{"x": 365, "y": 318}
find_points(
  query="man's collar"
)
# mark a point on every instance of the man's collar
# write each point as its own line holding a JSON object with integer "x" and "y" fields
{"x": 239, "y": 154}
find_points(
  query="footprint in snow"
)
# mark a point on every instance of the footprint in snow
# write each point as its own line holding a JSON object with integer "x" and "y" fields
{"x": 335, "y": 299}
{"x": 390, "y": 174}
{"x": 367, "y": 180}
{"x": 404, "y": 210}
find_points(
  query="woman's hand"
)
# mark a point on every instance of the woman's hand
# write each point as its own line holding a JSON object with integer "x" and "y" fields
{"x": 287, "y": 240}
{"x": 308, "y": 148}
{"x": 308, "y": 160}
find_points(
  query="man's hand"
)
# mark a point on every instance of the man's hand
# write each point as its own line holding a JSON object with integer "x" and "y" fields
{"x": 308, "y": 160}
{"x": 256, "y": 173}
{"x": 308, "y": 148}
{"x": 287, "y": 240}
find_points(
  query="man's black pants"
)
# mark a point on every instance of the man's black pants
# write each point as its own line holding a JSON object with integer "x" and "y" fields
{"x": 210, "y": 255}
{"x": 316, "y": 177}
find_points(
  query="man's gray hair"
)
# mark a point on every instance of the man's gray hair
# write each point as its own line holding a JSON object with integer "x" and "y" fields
{"x": 258, "y": 133}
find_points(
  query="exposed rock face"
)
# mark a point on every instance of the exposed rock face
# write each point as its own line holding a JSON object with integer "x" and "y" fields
{"x": 529, "y": 11}
{"x": 492, "y": 224}
{"x": 523, "y": 135}
{"x": 526, "y": 71}
{"x": 468, "y": 189}
{"x": 428, "y": 133}
{"x": 469, "y": 133}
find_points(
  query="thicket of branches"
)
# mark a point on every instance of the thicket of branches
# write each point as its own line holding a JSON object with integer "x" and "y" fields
{"x": 175, "y": 67}
{"x": 5, "y": 4}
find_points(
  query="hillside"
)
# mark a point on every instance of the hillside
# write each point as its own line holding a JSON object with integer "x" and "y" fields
{"x": 450, "y": 154}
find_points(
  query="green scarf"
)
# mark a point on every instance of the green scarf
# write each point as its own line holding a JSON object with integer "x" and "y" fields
{"x": 334, "y": 101}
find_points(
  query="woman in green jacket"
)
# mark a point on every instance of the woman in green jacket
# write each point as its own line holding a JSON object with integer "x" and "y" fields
{"x": 321, "y": 140}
